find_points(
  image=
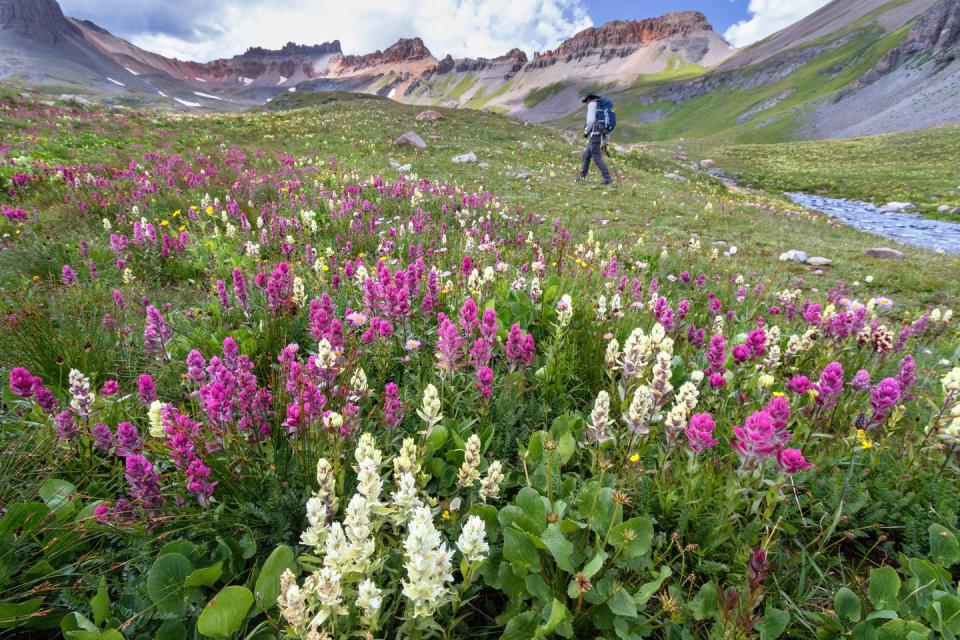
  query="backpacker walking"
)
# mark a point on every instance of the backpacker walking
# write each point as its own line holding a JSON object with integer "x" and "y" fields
{"x": 601, "y": 120}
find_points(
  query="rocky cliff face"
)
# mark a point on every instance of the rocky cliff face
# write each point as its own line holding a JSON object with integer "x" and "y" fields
{"x": 40, "y": 20}
{"x": 403, "y": 50}
{"x": 292, "y": 60}
{"x": 622, "y": 37}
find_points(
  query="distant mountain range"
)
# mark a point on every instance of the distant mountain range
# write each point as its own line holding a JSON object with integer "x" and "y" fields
{"x": 855, "y": 66}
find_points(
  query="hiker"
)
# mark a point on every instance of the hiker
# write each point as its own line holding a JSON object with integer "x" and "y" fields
{"x": 596, "y": 131}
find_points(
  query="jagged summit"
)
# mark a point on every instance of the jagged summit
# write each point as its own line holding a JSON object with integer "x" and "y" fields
{"x": 39, "y": 20}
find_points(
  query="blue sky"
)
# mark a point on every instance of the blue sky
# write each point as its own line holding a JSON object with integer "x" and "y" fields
{"x": 207, "y": 29}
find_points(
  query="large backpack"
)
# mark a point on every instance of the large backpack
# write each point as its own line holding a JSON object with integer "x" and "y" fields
{"x": 606, "y": 116}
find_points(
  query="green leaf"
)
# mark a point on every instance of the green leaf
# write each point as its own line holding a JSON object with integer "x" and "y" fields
{"x": 24, "y": 518}
{"x": 884, "y": 589}
{"x": 900, "y": 629}
{"x": 621, "y": 603}
{"x": 100, "y": 603}
{"x": 224, "y": 614}
{"x": 205, "y": 577}
{"x": 171, "y": 630}
{"x": 706, "y": 603}
{"x": 267, "y": 588}
{"x": 166, "y": 582}
{"x": 774, "y": 623}
{"x": 863, "y": 631}
{"x": 595, "y": 564}
{"x": 944, "y": 546}
{"x": 847, "y": 605}
{"x": 12, "y": 615}
{"x": 56, "y": 493}
{"x": 633, "y": 537}
{"x": 559, "y": 547}
{"x": 533, "y": 506}
{"x": 537, "y": 587}
{"x": 521, "y": 626}
{"x": 75, "y": 626}
{"x": 646, "y": 590}
{"x": 943, "y": 615}
{"x": 558, "y": 614}
{"x": 520, "y": 551}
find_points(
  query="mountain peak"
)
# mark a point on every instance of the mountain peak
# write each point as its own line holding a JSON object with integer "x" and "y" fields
{"x": 403, "y": 50}
{"x": 40, "y": 20}
{"x": 619, "y": 33}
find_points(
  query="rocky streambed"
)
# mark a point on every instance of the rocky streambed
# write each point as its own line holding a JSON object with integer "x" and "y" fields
{"x": 908, "y": 228}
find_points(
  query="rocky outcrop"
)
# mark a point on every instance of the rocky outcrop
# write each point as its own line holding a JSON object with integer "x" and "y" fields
{"x": 622, "y": 37}
{"x": 38, "y": 20}
{"x": 403, "y": 50}
{"x": 935, "y": 34}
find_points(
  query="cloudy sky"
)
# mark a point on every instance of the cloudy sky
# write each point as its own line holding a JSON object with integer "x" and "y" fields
{"x": 207, "y": 29}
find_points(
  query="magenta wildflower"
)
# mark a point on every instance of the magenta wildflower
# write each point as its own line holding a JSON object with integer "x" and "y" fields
{"x": 22, "y": 382}
{"x": 830, "y": 385}
{"x": 884, "y": 397}
{"x": 468, "y": 316}
{"x": 143, "y": 482}
{"x": 520, "y": 347}
{"x": 861, "y": 380}
{"x": 240, "y": 290}
{"x": 66, "y": 427}
{"x": 128, "y": 439}
{"x": 195, "y": 367}
{"x": 392, "y": 408}
{"x": 779, "y": 411}
{"x": 103, "y": 439}
{"x": 68, "y": 275}
{"x": 792, "y": 460}
{"x": 741, "y": 353}
{"x": 757, "y": 439}
{"x": 109, "y": 388}
{"x": 198, "y": 481}
{"x": 46, "y": 400}
{"x": 156, "y": 334}
{"x": 146, "y": 388}
{"x": 757, "y": 342}
{"x": 449, "y": 344}
{"x": 907, "y": 375}
{"x": 700, "y": 432}
{"x": 485, "y": 382}
{"x": 717, "y": 380}
{"x": 222, "y": 295}
{"x": 716, "y": 355}
{"x": 118, "y": 299}
{"x": 799, "y": 384}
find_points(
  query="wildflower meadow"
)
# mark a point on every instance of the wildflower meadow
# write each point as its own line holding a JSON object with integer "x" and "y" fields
{"x": 258, "y": 384}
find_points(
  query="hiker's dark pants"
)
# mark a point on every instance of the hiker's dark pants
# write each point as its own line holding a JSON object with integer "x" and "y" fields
{"x": 594, "y": 151}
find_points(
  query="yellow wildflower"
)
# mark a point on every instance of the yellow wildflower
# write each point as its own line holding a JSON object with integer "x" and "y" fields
{"x": 864, "y": 440}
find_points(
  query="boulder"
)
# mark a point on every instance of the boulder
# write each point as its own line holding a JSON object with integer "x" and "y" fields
{"x": 411, "y": 139}
{"x": 404, "y": 168}
{"x": 885, "y": 253}
{"x": 897, "y": 207}
{"x": 429, "y": 115}
{"x": 674, "y": 176}
{"x": 708, "y": 164}
{"x": 793, "y": 254}
{"x": 819, "y": 261}
{"x": 465, "y": 158}
{"x": 944, "y": 208}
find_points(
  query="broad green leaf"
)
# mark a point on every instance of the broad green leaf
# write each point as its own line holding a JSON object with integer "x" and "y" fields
{"x": 621, "y": 603}
{"x": 646, "y": 590}
{"x": 566, "y": 447}
{"x": 863, "y": 631}
{"x": 75, "y": 626}
{"x": 205, "y": 577}
{"x": 944, "y": 546}
{"x": 538, "y": 588}
{"x": 534, "y": 507}
{"x": 171, "y": 630}
{"x": 847, "y": 605}
{"x": 706, "y": 603}
{"x": 594, "y": 565}
{"x": 184, "y": 547}
{"x": 520, "y": 551}
{"x": 773, "y": 624}
{"x": 943, "y": 615}
{"x": 224, "y": 614}
{"x": 100, "y": 603}
{"x": 165, "y": 582}
{"x": 884, "y": 589}
{"x": 521, "y": 626}
{"x": 24, "y": 518}
{"x": 900, "y": 629}
{"x": 267, "y": 588}
{"x": 632, "y": 538}
{"x": 558, "y": 614}
{"x": 559, "y": 547}
{"x": 56, "y": 493}
{"x": 12, "y": 615}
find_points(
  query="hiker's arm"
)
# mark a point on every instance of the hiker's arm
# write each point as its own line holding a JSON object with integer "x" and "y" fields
{"x": 591, "y": 117}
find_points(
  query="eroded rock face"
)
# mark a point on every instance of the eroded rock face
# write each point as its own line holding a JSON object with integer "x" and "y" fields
{"x": 403, "y": 50}
{"x": 40, "y": 20}
{"x": 622, "y": 37}
{"x": 936, "y": 33}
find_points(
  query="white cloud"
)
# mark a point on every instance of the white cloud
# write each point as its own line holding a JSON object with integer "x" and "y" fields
{"x": 767, "y": 17}
{"x": 459, "y": 27}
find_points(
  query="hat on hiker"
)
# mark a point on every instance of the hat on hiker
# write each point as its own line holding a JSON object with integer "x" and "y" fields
{"x": 590, "y": 96}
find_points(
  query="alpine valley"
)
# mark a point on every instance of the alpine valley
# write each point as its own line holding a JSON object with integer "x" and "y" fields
{"x": 855, "y": 67}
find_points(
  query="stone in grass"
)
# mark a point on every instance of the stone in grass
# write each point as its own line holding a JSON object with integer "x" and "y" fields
{"x": 885, "y": 253}
{"x": 897, "y": 207}
{"x": 793, "y": 254}
{"x": 819, "y": 261}
{"x": 465, "y": 158}
{"x": 708, "y": 164}
{"x": 411, "y": 139}
{"x": 429, "y": 114}
{"x": 404, "y": 168}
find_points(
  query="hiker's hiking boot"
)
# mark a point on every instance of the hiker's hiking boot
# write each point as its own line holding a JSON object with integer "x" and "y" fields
{"x": 607, "y": 181}
{"x": 581, "y": 178}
